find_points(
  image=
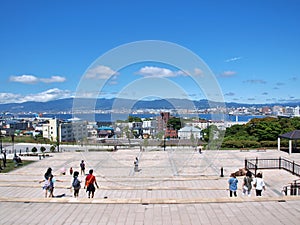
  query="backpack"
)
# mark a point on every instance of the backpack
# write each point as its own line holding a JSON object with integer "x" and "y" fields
{"x": 76, "y": 183}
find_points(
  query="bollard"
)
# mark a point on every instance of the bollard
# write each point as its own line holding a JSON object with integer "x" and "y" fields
{"x": 222, "y": 174}
{"x": 40, "y": 157}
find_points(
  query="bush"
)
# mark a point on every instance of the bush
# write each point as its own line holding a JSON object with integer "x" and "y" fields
{"x": 240, "y": 144}
{"x": 34, "y": 149}
{"x": 43, "y": 149}
{"x": 268, "y": 143}
{"x": 52, "y": 148}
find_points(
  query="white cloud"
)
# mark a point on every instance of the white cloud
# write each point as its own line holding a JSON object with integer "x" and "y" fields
{"x": 27, "y": 79}
{"x": 31, "y": 79}
{"x": 228, "y": 73}
{"x": 233, "y": 59}
{"x": 153, "y": 71}
{"x": 53, "y": 79}
{"x": 9, "y": 98}
{"x": 100, "y": 72}
{"x": 44, "y": 96}
{"x": 198, "y": 72}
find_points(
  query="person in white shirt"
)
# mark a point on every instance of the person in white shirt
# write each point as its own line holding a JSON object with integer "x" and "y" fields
{"x": 259, "y": 184}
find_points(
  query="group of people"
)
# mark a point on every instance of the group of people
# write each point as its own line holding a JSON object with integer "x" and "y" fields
{"x": 248, "y": 182}
{"x": 90, "y": 182}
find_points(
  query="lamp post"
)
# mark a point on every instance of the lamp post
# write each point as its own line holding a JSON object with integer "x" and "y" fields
{"x": 13, "y": 144}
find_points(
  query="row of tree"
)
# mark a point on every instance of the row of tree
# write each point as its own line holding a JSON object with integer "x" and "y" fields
{"x": 258, "y": 132}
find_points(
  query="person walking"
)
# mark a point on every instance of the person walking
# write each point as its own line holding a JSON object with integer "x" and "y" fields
{"x": 82, "y": 167}
{"x": 52, "y": 181}
{"x": 76, "y": 184}
{"x": 90, "y": 180}
{"x": 233, "y": 181}
{"x": 48, "y": 173}
{"x": 247, "y": 184}
{"x": 259, "y": 184}
{"x": 49, "y": 185}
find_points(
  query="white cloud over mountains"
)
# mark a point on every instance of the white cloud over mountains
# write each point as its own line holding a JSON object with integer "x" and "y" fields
{"x": 48, "y": 95}
{"x": 31, "y": 79}
{"x": 100, "y": 72}
{"x": 152, "y": 71}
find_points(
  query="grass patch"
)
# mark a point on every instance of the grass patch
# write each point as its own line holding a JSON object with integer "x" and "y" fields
{"x": 10, "y": 165}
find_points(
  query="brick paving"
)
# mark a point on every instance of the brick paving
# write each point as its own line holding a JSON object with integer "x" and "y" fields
{"x": 177, "y": 186}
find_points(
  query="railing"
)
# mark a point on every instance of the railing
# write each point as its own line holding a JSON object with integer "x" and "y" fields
{"x": 292, "y": 189}
{"x": 280, "y": 163}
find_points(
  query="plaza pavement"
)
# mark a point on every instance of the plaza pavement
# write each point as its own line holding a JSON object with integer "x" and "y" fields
{"x": 176, "y": 186}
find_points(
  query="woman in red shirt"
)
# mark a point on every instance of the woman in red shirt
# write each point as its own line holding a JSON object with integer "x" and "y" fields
{"x": 90, "y": 180}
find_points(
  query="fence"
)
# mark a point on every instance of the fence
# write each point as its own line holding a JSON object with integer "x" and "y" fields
{"x": 292, "y": 189}
{"x": 280, "y": 163}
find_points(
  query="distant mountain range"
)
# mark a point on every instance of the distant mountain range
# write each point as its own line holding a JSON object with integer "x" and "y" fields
{"x": 65, "y": 105}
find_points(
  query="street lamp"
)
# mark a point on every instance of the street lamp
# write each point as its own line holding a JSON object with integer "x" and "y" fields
{"x": 13, "y": 144}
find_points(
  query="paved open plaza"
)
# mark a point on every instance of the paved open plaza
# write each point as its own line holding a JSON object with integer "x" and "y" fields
{"x": 176, "y": 186}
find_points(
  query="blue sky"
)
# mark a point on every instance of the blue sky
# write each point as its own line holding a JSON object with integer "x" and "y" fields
{"x": 252, "y": 47}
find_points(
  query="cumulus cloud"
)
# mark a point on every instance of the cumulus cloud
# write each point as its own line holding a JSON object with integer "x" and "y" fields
{"x": 53, "y": 79}
{"x": 31, "y": 79}
{"x": 153, "y": 71}
{"x": 228, "y": 73}
{"x": 26, "y": 79}
{"x": 255, "y": 81}
{"x": 233, "y": 59}
{"x": 100, "y": 72}
{"x": 48, "y": 95}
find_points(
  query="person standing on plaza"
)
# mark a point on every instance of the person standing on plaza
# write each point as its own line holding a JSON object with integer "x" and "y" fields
{"x": 233, "y": 181}
{"x": 90, "y": 180}
{"x": 82, "y": 167}
{"x": 259, "y": 184}
{"x": 247, "y": 184}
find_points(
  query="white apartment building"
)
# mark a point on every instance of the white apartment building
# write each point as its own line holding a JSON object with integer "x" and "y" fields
{"x": 50, "y": 130}
{"x": 72, "y": 130}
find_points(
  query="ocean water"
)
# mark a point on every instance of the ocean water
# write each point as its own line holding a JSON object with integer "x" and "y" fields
{"x": 113, "y": 117}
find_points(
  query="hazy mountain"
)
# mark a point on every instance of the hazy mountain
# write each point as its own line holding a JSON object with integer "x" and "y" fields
{"x": 65, "y": 105}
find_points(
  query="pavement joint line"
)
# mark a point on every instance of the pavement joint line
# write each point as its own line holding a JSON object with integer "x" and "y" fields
{"x": 151, "y": 188}
{"x": 151, "y": 201}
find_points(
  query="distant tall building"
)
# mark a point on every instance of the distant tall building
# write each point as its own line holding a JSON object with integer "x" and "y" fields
{"x": 162, "y": 120}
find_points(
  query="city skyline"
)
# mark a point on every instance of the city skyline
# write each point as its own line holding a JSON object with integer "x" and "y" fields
{"x": 252, "y": 48}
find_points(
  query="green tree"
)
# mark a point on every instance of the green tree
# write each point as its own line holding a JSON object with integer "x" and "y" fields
{"x": 134, "y": 119}
{"x": 174, "y": 123}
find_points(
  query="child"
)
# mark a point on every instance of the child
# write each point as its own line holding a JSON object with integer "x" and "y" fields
{"x": 49, "y": 185}
{"x": 76, "y": 184}
{"x": 233, "y": 184}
